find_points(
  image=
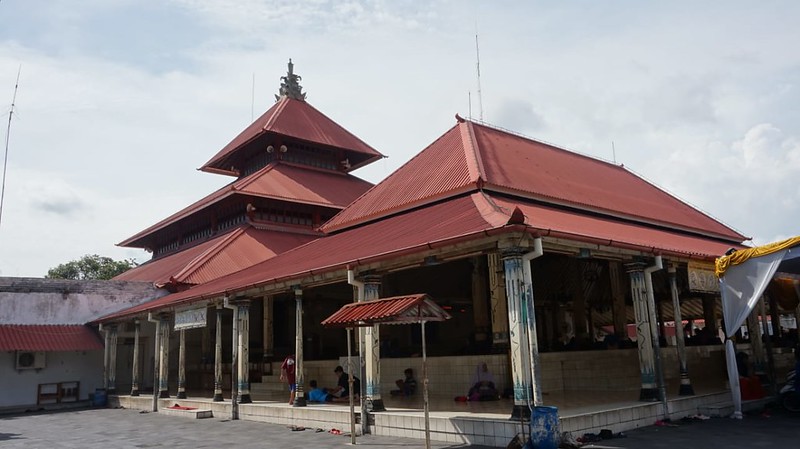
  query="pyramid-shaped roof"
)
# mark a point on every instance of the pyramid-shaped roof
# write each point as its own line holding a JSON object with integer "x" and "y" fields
{"x": 472, "y": 156}
{"x": 280, "y": 181}
{"x": 299, "y": 120}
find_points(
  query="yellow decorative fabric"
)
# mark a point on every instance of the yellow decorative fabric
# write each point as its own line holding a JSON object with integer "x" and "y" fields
{"x": 740, "y": 256}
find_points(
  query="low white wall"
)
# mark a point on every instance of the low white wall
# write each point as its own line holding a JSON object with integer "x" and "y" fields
{"x": 20, "y": 387}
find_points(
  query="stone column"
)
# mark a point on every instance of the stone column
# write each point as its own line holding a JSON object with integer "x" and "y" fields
{"x": 479, "y": 300}
{"x": 299, "y": 397}
{"x": 135, "y": 369}
{"x": 111, "y": 388}
{"x": 520, "y": 356}
{"x": 182, "y": 365}
{"x": 106, "y": 350}
{"x": 374, "y": 403}
{"x": 498, "y": 303}
{"x": 218, "y": 357}
{"x": 644, "y": 338}
{"x": 163, "y": 375}
{"x": 686, "y": 383}
{"x": 244, "y": 352}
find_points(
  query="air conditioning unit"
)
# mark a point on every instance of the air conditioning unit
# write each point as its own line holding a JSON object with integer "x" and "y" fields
{"x": 30, "y": 360}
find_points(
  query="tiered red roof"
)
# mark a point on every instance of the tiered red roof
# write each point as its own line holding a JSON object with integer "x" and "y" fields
{"x": 299, "y": 120}
{"x": 278, "y": 180}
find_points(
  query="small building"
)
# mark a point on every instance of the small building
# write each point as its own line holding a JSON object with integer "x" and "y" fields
{"x": 49, "y": 356}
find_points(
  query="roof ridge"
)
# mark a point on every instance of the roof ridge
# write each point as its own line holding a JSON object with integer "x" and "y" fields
{"x": 203, "y": 257}
{"x": 277, "y": 112}
{"x": 472, "y": 153}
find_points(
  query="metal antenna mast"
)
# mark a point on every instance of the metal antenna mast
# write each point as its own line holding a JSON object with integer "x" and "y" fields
{"x": 478, "y": 68}
{"x": 8, "y": 135}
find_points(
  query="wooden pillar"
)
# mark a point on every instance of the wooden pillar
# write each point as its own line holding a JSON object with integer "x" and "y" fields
{"x": 244, "y": 352}
{"x": 135, "y": 365}
{"x": 218, "y": 357}
{"x": 498, "y": 303}
{"x": 686, "y": 388}
{"x": 754, "y": 330}
{"x": 299, "y": 396}
{"x": 618, "y": 307}
{"x": 268, "y": 329}
{"x": 479, "y": 299}
{"x": 582, "y": 337}
{"x": 163, "y": 375}
{"x": 111, "y": 387}
{"x": 710, "y": 316}
{"x": 181, "y": 365}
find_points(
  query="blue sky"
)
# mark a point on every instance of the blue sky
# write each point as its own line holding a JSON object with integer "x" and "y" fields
{"x": 120, "y": 101}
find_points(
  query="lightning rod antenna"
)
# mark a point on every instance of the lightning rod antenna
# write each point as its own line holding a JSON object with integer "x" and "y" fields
{"x": 613, "y": 152}
{"x": 253, "y": 99}
{"x": 8, "y": 135}
{"x": 478, "y": 70}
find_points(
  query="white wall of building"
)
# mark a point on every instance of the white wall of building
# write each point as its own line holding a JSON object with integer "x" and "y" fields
{"x": 20, "y": 387}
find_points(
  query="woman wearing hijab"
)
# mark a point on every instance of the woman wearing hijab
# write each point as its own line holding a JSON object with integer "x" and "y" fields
{"x": 483, "y": 388}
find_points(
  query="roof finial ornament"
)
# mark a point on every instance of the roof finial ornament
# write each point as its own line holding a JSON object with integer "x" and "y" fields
{"x": 290, "y": 85}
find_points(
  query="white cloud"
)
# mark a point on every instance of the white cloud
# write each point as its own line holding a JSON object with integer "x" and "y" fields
{"x": 120, "y": 101}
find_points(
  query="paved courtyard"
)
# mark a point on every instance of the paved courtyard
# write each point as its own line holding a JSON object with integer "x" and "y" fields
{"x": 121, "y": 428}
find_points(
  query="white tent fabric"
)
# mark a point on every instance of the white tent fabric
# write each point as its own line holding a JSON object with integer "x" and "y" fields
{"x": 741, "y": 287}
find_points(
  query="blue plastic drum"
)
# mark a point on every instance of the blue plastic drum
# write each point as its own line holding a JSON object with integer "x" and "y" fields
{"x": 545, "y": 428}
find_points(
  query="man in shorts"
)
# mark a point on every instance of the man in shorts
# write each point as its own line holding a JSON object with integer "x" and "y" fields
{"x": 288, "y": 374}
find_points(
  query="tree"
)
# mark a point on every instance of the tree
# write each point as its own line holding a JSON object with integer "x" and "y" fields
{"x": 91, "y": 266}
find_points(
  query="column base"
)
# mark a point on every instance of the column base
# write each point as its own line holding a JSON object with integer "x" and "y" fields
{"x": 375, "y": 405}
{"x": 112, "y": 390}
{"x": 217, "y": 397}
{"x": 299, "y": 402}
{"x": 135, "y": 392}
{"x": 163, "y": 394}
{"x": 649, "y": 395}
{"x": 520, "y": 412}
{"x": 181, "y": 395}
{"x": 686, "y": 390}
{"x": 245, "y": 399}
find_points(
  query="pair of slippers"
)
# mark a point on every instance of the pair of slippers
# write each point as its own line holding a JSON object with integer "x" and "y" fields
{"x": 301, "y": 428}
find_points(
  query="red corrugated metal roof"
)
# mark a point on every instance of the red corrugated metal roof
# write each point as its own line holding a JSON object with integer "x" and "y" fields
{"x": 397, "y": 310}
{"x": 606, "y": 231}
{"x": 471, "y": 157}
{"x": 304, "y": 185}
{"x": 298, "y": 119}
{"x": 241, "y": 248}
{"x": 279, "y": 181}
{"x": 59, "y": 337}
{"x": 465, "y": 217}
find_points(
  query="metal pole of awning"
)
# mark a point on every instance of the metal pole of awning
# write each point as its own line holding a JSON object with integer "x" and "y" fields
{"x": 425, "y": 388}
{"x": 350, "y": 390}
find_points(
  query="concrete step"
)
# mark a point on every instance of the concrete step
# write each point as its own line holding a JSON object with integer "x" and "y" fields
{"x": 193, "y": 413}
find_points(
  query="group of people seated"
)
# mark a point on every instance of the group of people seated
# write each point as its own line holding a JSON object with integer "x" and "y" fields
{"x": 339, "y": 393}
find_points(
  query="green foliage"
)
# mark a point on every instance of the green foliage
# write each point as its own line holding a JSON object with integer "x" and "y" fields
{"x": 91, "y": 266}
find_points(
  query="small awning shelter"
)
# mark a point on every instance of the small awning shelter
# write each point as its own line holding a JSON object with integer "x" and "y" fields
{"x": 744, "y": 276}
{"x": 48, "y": 337}
{"x": 407, "y": 309}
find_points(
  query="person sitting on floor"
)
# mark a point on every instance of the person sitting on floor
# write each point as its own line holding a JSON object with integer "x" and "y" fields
{"x": 317, "y": 394}
{"x": 406, "y": 386}
{"x": 483, "y": 387}
{"x": 342, "y": 390}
